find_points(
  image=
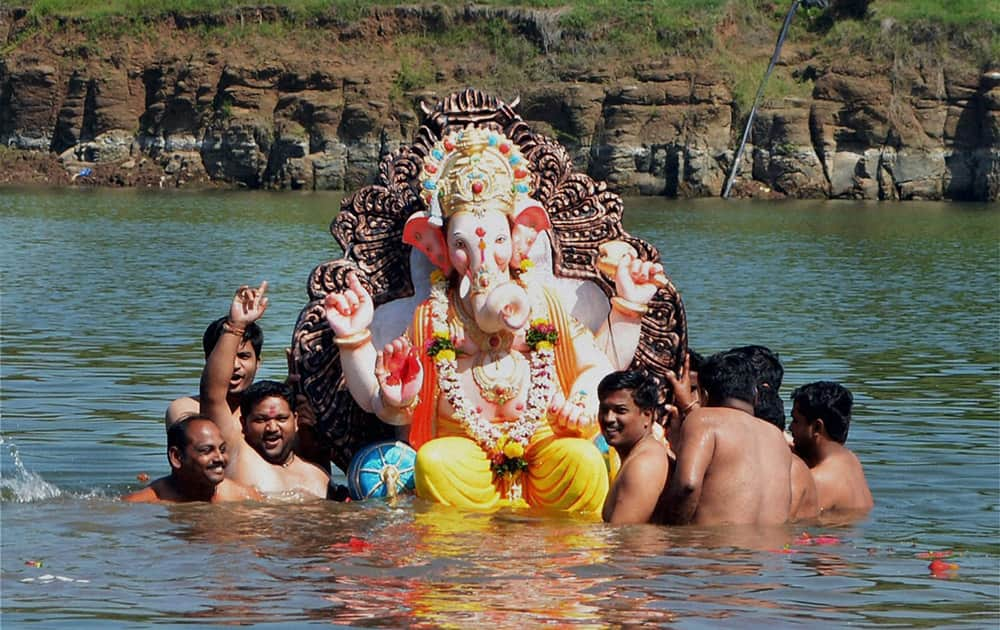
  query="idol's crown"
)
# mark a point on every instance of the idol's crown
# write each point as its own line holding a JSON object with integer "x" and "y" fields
{"x": 474, "y": 170}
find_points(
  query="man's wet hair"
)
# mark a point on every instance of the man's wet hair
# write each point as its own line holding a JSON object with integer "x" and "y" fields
{"x": 827, "y": 400}
{"x": 253, "y": 334}
{"x": 266, "y": 389}
{"x": 177, "y": 433}
{"x": 695, "y": 360}
{"x": 728, "y": 375}
{"x": 770, "y": 407}
{"x": 766, "y": 364}
{"x": 645, "y": 388}
{"x": 768, "y": 373}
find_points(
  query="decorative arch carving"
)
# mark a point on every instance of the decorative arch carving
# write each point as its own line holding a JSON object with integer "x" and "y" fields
{"x": 583, "y": 212}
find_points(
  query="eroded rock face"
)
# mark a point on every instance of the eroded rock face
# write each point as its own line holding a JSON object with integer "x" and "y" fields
{"x": 664, "y": 129}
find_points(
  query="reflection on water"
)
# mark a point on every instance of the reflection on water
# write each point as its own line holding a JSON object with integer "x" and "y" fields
{"x": 106, "y": 294}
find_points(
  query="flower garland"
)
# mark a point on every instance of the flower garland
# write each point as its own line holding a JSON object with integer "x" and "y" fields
{"x": 505, "y": 444}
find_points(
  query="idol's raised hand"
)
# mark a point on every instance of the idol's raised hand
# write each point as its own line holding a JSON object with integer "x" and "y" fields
{"x": 248, "y": 305}
{"x": 351, "y": 311}
{"x": 399, "y": 374}
{"x": 638, "y": 280}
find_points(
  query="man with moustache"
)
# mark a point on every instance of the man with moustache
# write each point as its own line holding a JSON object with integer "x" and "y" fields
{"x": 198, "y": 459}
{"x": 262, "y": 443}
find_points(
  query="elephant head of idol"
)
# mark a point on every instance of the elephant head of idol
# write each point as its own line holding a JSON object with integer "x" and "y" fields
{"x": 480, "y": 223}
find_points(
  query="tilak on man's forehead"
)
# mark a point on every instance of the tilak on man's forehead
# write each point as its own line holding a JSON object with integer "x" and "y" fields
{"x": 273, "y": 407}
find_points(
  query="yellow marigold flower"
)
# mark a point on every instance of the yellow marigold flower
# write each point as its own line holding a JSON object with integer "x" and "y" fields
{"x": 442, "y": 333}
{"x": 513, "y": 449}
{"x": 543, "y": 345}
{"x": 437, "y": 276}
{"x": 539, "y": 321}
{"x": 526, "y": 264}
{"x": 445, "y": 355}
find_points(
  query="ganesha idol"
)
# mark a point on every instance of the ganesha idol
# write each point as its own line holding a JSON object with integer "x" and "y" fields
{"x": 486, "y": 357}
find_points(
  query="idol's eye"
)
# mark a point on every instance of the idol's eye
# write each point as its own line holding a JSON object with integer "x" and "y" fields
{"x": 501, "y": 239}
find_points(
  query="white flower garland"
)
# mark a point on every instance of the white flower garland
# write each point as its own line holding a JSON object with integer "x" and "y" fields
{"x": 492, "y": 438}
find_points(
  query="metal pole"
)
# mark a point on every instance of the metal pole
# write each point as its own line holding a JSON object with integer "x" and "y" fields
{"x": 756, "y": 101}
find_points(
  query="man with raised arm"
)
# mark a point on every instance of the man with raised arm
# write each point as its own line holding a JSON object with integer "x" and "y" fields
{"x": 198, "y": 459}
{"x": 244, "y": 370}
{"x": 627, "y": 401}
{"x": 821, "y": 417}
{"x": 732, "y": 468}
{"x": 262, "y": 443}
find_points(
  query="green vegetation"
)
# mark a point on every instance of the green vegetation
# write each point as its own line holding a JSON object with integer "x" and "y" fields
{"x": 609, "y": 36}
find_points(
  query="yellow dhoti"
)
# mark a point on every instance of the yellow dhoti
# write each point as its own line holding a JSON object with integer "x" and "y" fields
{"x": 563, "y": 473}
{"x": 566, "y": 474}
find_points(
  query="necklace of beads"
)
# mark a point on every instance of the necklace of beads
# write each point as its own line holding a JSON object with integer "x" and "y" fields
{"x": 494, "y": 438}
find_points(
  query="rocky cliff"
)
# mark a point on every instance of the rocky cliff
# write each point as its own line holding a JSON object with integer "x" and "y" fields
{"x": 181, "y": 106}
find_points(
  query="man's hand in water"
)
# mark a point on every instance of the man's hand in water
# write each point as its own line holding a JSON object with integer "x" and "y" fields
{"x": 399, "y": 374}
{"x": 248, "y": 305}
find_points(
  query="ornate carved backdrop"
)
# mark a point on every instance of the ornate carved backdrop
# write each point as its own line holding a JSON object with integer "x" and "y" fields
{"x": 369, "y": 229}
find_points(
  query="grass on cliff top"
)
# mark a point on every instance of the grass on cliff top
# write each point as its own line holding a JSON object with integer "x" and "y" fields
{"x": 580, "y": 12}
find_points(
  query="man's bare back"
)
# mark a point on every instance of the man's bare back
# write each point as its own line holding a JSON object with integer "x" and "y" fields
{"x": 731, "y": 468}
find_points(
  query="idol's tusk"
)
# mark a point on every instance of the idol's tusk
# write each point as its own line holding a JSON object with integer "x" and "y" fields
{"x": 612, "y": 252}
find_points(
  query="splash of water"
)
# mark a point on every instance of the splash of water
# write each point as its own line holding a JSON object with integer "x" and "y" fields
{"x": 23, "y": 486}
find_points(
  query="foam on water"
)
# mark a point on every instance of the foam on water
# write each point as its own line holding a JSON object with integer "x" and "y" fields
{"x": 23, "y": 486}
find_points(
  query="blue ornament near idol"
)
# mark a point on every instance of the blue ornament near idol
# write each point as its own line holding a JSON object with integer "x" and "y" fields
{"x": 382, "y": 469}
{"x": 611, "y": 460}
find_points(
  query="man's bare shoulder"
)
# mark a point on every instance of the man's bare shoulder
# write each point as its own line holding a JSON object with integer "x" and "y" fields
{"x": 230, "y": 490}
{"x": 841, "y": 484}
{"x": 146, "y": 495}
{"x": 701, "y": 420}
{"x": 156, "y": 492}
{"x": 181, "y": 408}
{"x": 312, "y": 471}
{"x": 647, "y": 460}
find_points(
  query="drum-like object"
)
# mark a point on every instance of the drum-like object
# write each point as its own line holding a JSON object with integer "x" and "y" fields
{"x": 382, "y": 469}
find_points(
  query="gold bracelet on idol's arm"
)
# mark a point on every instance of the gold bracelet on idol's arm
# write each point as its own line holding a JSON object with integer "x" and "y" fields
{"x": 352, "y": 342}
{"x": 408, "y": 407}
{"x": 628, "y": 307}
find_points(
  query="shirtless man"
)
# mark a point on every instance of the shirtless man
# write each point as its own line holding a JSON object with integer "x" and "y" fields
{"x": 198, "y": 459}
{"x": 768, "y": 373}
{"x": 625, "y": 414}
{"x": 245, "y": 367}
{"x": 731, "y": 467}
{"x": 262, "y": 443}
{"x": 821, "y": 417}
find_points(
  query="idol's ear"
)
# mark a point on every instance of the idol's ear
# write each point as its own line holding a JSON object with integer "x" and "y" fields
{"x": 528, "y": 221}
{"x": 530, "y": 213}
{"x": 421, "y": 232}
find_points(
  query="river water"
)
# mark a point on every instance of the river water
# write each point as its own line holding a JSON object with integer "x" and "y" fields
{"x": 104, "y": 298}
